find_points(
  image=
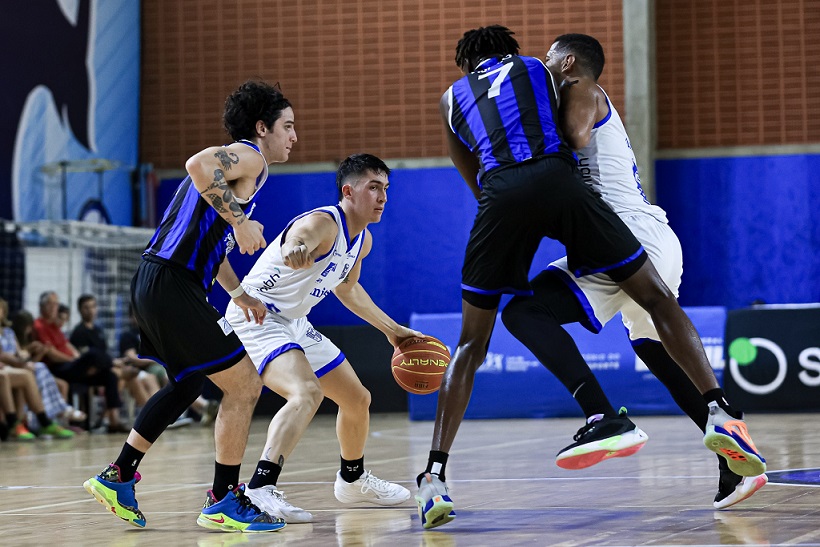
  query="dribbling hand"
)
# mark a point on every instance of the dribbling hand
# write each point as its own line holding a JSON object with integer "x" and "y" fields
{"x": 248, "y": 236}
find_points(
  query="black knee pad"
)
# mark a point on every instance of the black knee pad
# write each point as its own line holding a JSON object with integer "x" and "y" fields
{"x": 166, "y": 405}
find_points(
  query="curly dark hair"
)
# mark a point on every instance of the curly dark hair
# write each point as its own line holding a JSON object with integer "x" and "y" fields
{"x": 587, "y": 50}
{"x": 485, "y": 42}
{"x": 254, "y": 100}
{"x": 358, "y": 164}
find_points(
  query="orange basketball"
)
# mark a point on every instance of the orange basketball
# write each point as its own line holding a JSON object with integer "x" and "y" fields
{"x": 418, "y": 364}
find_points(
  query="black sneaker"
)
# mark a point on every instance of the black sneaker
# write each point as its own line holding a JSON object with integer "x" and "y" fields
{"x": 602, "y": 437}
{"x": 732, "y": 488}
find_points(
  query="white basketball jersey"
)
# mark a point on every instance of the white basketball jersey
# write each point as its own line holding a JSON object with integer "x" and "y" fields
{"x": 292, "y": 293}
{"x": 608, "y": 164}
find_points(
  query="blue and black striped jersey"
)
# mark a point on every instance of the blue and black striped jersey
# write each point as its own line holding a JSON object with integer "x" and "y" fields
{"x": 505, "y": 112}
{"x": 193, "y": 235}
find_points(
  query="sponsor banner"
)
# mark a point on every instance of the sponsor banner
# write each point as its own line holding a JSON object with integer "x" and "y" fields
{"x": 511, "y": 383}
{"x": 773, "y": 358}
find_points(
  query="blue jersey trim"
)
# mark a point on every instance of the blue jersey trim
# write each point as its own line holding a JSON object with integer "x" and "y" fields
{"x": 591, "y": 324}
{"x": 580, "y": 272}
{"x": 276, "y": 353}
{"x": 331, "y": 365}
{"x": 185, "y": 372}
{"x": 344, "y": 225}
{"x": 502, "y": 290}
{"x": 608, "y": 114}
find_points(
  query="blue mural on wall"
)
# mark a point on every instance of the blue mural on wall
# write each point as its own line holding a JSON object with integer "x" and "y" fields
{"x": 70, "y": 111}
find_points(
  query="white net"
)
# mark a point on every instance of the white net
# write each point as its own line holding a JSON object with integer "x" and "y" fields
{"x": 73, "y": 258}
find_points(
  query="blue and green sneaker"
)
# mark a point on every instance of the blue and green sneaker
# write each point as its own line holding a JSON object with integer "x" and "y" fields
{"x": 118, "y": 497}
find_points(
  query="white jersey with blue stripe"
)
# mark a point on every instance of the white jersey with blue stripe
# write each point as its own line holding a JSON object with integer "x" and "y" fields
{"x": 608, "y": 164}
{"x": 293, "y": 293}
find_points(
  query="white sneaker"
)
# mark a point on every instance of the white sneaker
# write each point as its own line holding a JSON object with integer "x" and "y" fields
{"x": 369, "y": 489}
{"x": 272, "y": 501}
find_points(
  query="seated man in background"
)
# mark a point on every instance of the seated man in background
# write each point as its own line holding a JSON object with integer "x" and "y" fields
{"x": 203, "y": 410}
{"x": 87, "y": 335}
{"x": 91, "y": 368}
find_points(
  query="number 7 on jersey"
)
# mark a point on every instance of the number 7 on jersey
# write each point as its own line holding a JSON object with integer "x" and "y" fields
{"x": 495, "y": 88}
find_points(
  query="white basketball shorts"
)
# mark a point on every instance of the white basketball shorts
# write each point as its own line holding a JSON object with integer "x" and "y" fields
{"x": 602, "y": 298}
{"x": 277, "y": 335}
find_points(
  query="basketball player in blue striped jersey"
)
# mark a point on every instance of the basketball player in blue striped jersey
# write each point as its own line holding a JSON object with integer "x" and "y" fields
{"x": 595, "y": 131}
{"x": 318, "y": 253}
{"x": 503, "y": 136}
{"x": 208, "y": 216}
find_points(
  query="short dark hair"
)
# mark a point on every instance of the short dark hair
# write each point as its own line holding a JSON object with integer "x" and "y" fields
{"x": 587, "y": 51}
{"x": 62, "y": 308}
{"x": 484, "y": 42}
{"x": 253, "y": 101}
{"x": 358, "y": 164}
{"x": 83, "y": 299}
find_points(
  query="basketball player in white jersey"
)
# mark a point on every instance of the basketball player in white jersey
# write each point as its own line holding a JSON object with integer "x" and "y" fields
{"x": 319, "y": 252}
{"x": 593, "y": 129}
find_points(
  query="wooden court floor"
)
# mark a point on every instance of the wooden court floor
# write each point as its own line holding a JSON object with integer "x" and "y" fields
{"x": 506, "y": 486}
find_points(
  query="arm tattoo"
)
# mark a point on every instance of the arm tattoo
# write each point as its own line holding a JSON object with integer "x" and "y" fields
{"x": 227, "y": 199}
{"x": 346, "y": 279}
{"x": 216, "y": 201}
{"x": 219, "y": 180}
{"x": 227, "y": 159}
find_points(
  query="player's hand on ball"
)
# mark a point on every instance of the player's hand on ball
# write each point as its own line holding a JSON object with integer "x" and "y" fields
{"x": 297, "y": 257}
{"x": 248, "y": 236}
{"x": 403, "y": 333}
{"x": 251, "y": 307}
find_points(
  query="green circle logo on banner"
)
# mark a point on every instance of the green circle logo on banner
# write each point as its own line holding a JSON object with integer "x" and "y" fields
{"x": 742, "y": 351}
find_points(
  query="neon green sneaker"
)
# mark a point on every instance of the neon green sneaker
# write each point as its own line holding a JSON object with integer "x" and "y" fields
{"x": 21, "y": 432}
{"x": 57, "y": 431}
{"x": 117, "y": 496}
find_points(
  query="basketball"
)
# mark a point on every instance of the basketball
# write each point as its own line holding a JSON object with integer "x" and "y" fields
{"x": 419, "y": 364}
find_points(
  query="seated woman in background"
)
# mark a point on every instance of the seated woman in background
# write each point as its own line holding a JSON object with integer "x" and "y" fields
{"x": 19, "y": 387}
{"x": 53, "y": 390}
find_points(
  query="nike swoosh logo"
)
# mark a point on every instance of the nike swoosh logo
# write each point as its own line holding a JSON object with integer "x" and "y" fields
{"x": 220, "y": 521}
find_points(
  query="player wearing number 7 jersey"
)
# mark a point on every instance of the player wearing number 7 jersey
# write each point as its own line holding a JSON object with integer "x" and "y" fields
{"x": 504, "y": 140}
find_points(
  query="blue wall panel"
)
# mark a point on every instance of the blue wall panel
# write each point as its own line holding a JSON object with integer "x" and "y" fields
{"x": 415, "y": 264}
{"x": 747, "y": 225}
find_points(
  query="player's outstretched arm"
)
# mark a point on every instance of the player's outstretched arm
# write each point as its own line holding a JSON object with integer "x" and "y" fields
{"x": 355, "y": 298}
{"x": 214, "y": 172}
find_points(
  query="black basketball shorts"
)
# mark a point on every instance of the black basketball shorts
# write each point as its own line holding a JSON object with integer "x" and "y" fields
{"x": 543, "y": 197}
{"x": 178, "y": 327}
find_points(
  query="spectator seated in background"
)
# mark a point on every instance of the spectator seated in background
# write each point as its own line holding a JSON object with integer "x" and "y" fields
{"x": 19, "y": 387}
{"x": 64, "y": 319}
{"x": 203, "y": 409}
{"x": 92, "y": 368}
{"x": 54, "y": 390}
{"x": 88, "y": 335}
